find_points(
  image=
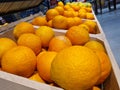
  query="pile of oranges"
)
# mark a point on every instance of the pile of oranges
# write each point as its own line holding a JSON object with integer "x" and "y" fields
{"x": 71, "y": 61}
{"x": 66, "y": 16}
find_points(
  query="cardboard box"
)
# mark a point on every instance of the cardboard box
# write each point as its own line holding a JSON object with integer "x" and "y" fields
{"x": 13, "y": 82}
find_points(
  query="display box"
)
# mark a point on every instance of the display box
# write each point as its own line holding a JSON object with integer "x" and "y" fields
{"x": 13, "y": 82}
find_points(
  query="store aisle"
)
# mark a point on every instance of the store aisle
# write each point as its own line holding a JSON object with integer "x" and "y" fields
{"x": 110, "y": 23}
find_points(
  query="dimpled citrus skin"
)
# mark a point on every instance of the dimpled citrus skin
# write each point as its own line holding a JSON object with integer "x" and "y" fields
{"x": 19, "y": 60}
{"x": 76, "y": 68}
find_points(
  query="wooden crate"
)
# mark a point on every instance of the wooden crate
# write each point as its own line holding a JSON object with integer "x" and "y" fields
{"x": 13, "y": 82}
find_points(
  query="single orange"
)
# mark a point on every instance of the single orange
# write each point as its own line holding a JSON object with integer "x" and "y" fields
{"x": 77, "y": 35}
{"x": 105, "y": 66}
{"x": 68, "y": 14}
{"x": 70, "y": 22}
{"x": 49, "y": 23}
{"x": 30, "y": 40}
{"x": 44, "y": 61}
{"x": 36, "y": 77}
{"x": 84, "y": 26}
{"x": 19, "y": 60}
{"x": 60, "y": 10}
{"x": 58, "y": 43}
{"x": 51, "y": 13}
{"x": 76, "y": 68}
{"x": 95, "y": 45}
{"x": 5, "y": 45}
{"x": 39, "y": 21}
{"x": 89, "y": 16}
{"x": 59, "y": 22}
{"x": 92, "y": 26}
{"x": 78, "y": 21}
{"x": 46, "y": 34}
{"x": 23, "y": 27}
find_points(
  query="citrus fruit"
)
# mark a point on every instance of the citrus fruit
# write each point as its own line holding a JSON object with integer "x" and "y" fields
{"x": 23, "y": 27}
{"x": 82, "y": 15}
{"x": 76, "y": 68}
{"x": 77, "y": 35}
{"x": 92, "y": 26}
{"x": 84, "y": 26}
{"x": 5, "y": 45}
{"x": 60, "y": 10}
{"x": 95, "y": 45}
{"x": 58, "y": 43}
{"x": 70, "y": 22}
{"x": 105, "y": 66}
{"x": 30, "y": 40}
{"x": 19, "y": 60}
{"x": 44, "y": 61}
{"x": 77, "y": 20}
{"x": 59, "y": 22}
{"x": 46, "y": 34}
{"x": 51, "y": 13}
{"x": 96, "y": 88}
{"x": 49, "y": 23}
{"x": 68, "y": 14}
{"x": 36, "y": 77}
{"x": 60, "y": 3}
{"x": 39, "y": 21}
{"x": 89, "y": 16}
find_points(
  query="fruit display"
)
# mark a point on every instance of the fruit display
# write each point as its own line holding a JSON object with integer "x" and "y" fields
{"x": 40, "y": 57}
{"x": 68, "y": 15}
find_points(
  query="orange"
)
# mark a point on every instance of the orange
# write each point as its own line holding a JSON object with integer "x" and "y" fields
{"x": 49, "y": 23}
{"x": 88, "y": 9}
{"x": 68, "y": 14}
{"x": 96, "y": 88}
{"x": 92, "y": 26}
{"x": 82, "y": 15}
{"x": 75, "y": 14}
{"x": 51, "y": 13}
{"x": 76, "y": 68}
{"x": 23, "y": 27}
{"x": 5, "y": 45}
{"x": 89, "y": 16}
{"x": 77, "y": 21}
{"x": 84, "y": 26}
{"x": 30, "y": 40}
{"x": 75, "y": 7}
{"x": 66, "y": 7}
{"x": 46, "y": 34}
{"x": 77, "y": 35}
{"x": 44, "y": 61}
{"x": 95, "y": 45}
{"x": 70, "y": 22}
{"x": 105, "y": 66}
{"x": 19, "y": 60}
{"x": 60, "y": 10}
{"x": 59, "y": 22}
{"x": 36, "y": 77}
{"x": 60, "y": 3}
{"x": 58, "y": 43}
{"x": 39, "y": 21}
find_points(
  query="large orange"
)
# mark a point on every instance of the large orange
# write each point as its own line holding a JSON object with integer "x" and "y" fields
{"x": 96, "y": 88}
{"x": 51, "y": 13}
{"x": 19, "y": 60}
{"x": 105, "y": 66}
{"x": 84, "y": 26}
{"x": 30, "y": 40}
{"x": 76, "y": 68}
{"x": 5, "y": 45}
{"x": 78, "y": 21}
{"x": 46, "y": 34}
{"x": 68, "y": 14}
{"x": 23, "y": 27}
{"x": 44, "y": 61}
{"x": 58, "y": 43}
{"x": 59, "y": 22}
{"x": 60, "y": 3}
{"x": 77, "y": 35}
{"x": 39, "y": 21}
{"x": 90, "y": 16}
